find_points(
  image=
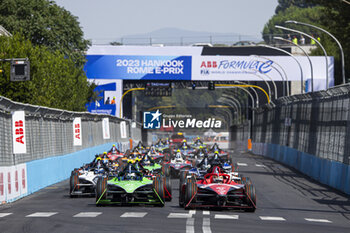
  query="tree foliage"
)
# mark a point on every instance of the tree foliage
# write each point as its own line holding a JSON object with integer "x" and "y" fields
{"x": 284, "y": 4}
{"x": 45, "y": 23}
{"x": 56, "y": 81}
{"x": 332, "y": 16}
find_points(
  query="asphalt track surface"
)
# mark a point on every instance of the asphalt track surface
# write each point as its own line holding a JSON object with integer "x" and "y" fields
{"x": 286, "y": 202}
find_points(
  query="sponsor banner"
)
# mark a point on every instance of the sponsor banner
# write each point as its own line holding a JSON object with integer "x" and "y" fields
{"x": 77, "y": 139}
{"x": 13, "y": 182}
{"x": 138, "y": 67}
{"x": 18, "y": 132}
{"x": 105, "y": 128}
{"x": 247, "y": 68}
{"x": 157, "y": 120}
{"x": 123, "y": 133}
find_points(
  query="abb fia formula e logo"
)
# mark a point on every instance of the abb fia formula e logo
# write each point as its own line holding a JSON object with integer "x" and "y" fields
{"x": 206, "y": 65}
{"x": 152, "y": 120}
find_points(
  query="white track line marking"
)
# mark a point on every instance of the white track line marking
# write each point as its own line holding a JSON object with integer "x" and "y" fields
{"x": 190, "y": 225}
{"x": 133, "y": 215}
{"x": 206, "y": 212}
{"x": 42, "y": 214}
{"x": 87, "y": 214}
{"x": 269, "y": 218}
{"x": 226, "y": 216}
{"x": 179, "y": 215}
{"x": 192, "y": 212}
{"x": 260, "y": 165}
{"x": 206, "y": 225}
{"x": 242, "y": 164}
{"x": 4, "y": 214}
{"x": 317, "y": 220}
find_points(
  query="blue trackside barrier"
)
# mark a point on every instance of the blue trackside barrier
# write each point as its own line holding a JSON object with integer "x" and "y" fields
{"x": 44, "y": 172}
{"x": 332, "y": 173}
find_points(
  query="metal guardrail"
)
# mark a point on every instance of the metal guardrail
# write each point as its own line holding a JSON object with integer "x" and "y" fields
{"x": 316, "y": 123}
{"x": 49, "y": 132}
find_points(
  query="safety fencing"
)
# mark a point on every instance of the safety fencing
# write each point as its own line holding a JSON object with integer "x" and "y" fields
{"x": 310, "y": 132}
{"x": 39, "y": 146}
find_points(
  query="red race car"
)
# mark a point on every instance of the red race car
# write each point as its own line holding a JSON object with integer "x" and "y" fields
{"x": 217, "y": 190}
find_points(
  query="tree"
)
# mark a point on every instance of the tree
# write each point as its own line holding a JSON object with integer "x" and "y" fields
{"x": 284, "y": 4}
{"x": 308, "y": 15}
{"x": 56, "y": 81}
{"x": 45, "y": 23}
{"x": 332, "y": 16}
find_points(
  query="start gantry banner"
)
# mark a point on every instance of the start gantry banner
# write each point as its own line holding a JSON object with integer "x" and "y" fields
{"x": 138, "y": 67}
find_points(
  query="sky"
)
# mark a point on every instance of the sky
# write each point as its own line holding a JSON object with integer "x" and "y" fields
{"x": 111, "y": 19}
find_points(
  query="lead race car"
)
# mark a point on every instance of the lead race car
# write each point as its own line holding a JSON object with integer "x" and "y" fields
{"x": 217, "y": 189}
{"x": 130, "y": 187}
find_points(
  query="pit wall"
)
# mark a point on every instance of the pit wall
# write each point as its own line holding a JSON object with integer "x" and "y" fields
{"x": 24, "y": 179}
{"x": 331, "y": 173}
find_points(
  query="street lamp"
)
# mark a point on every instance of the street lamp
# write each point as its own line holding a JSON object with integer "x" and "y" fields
{"x": 334, "y": 38}
{"x": 308, "y": 57}
{"x": 312, "y": 38}
{"x": 284, "y": 79}
{"x": 296, "y": 60}
{"x": 273, "y": 82}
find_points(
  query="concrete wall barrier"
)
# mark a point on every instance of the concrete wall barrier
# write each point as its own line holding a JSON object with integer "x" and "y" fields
{"x": 332, "y": 173}
{"x": 23, "y": 179}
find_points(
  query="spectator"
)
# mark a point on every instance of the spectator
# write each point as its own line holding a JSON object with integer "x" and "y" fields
{"x": 312, "y": 41}
{"x": 302, "y": 40}
{"x": 295, "y": 40}
{"x": 113, "y": 100}
{"x": 107, "y": 100}
{"x": 289, "y": 38}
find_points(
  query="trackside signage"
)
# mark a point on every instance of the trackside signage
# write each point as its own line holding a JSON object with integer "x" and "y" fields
{"x": 77, "y": 140}
{"x": 105, "y": 128}
{"x": 18, "y": 132}
{"x": 138, "y": 67}
{"x": 123, "y": 129}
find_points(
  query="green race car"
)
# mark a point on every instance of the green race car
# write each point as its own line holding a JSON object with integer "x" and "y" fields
{"x": 130, "y": 187}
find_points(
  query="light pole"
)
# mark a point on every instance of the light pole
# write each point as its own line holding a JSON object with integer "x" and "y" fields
{"x": 284, "y": 79}
{"x": 334, "y": 38}
{"x": 296, "y": 60}
{"x": 312, "y": 38}
{"x": 273, "y": 82}
{"x": 308, "y": 57}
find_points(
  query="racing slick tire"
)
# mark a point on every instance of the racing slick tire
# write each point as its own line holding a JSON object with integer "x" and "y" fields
{"x": 183, "y": 175}
{"x": 101, "y": 186}
{"x": 158, "y": 186}
{"x": 166, "y": 170}
{"x": 167, "y": 188}
{"x": 191, "y": 190}
{"x": 251, "y": 197}
{"x": 73, "y": 183}
{"x": 246, "y": 180}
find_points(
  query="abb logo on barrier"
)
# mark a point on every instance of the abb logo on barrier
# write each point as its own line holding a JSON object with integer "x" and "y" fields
{"x": 77, "y": 140}
{"x": 1, "y": 184}
{"x": 77, "y": 131}
{"x": 209, "y": 64}
{"x": 19, "y": 131}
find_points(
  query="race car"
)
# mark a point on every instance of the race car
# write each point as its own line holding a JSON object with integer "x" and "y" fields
{"x": 198, "y": 143}
{"x": 130, "y": 187}
{"x": 217, "y": 190}
{"x": 82, "y": 181}
{"x": 114, "y": 153}
{"x": 177, "y": 163}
